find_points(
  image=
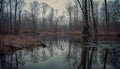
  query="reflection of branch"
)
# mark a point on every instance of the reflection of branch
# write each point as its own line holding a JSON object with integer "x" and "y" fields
{"x": 79, "y": 66}
{"x": 105, "y": 59}
{"x": 90, "y": 61}
{"x": 115, "y": 58}
{"x": 16, "y": 57}
{"x": 84, "y": 56}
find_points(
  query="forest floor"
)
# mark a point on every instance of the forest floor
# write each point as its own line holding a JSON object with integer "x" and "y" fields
{"x": 19, "y": 41}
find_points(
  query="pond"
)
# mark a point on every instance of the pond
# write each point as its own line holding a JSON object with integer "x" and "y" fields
{"x": 65, "y": 53}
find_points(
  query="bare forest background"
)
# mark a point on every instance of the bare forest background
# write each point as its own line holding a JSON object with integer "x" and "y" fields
{"x": 86, "y": 16}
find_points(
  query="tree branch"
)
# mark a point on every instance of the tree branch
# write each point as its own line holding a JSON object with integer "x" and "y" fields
{"x": 80, "y": 6}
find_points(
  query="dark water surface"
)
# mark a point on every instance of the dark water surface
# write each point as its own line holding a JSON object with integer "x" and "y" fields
{"x": 65, "y": 53}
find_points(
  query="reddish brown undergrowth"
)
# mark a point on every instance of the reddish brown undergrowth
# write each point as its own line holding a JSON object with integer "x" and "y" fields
{"x": 19, "y": 41}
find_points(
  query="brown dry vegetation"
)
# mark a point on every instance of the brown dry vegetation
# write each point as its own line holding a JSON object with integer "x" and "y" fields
{"x": 19, "y": 41}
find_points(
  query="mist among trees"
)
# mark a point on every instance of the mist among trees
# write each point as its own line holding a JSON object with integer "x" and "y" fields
{"x": 83, "y": 16}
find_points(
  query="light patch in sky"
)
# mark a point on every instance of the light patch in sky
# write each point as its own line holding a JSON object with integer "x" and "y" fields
{"x": 60, "y": 5}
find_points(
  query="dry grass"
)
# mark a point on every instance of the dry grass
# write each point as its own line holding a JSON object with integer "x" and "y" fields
{"x": 19, "y": 41}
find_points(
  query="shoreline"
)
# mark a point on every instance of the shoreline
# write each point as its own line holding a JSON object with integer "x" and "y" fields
{"x": 29, "y": 40}
{"x": 19, "y": 41}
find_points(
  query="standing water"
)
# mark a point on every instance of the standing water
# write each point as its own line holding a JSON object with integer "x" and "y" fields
{"x": 64, "y": 53}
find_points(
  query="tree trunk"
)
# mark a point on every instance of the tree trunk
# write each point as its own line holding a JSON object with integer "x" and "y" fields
{"x": 15, "y": 23}
{"x": 18, "y": 27}
{"x": 86, "y": 26}
{"x": 93, "y": 17}
{"x": 10, "y": 17}
{"x": 106, "y": 13}
{"x": 1, "y": 15}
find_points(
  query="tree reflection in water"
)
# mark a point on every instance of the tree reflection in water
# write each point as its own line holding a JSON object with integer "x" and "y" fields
{"x": 66, "y": 53}
{"x": 11, "y": 60}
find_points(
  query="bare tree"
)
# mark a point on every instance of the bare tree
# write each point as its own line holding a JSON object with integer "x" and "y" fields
{"x": 10, "y": 1}
{"x": 34, "y": 7}
{"x": 106, "y": 16}
{"x": 51, "y": 18}
{"x": 1, "y": 13}
{"x": 15, "y": 13}
{"x": 20, "y": 8}
{"x": 69, "y": 9}
{"x": 93, "y": 17}
{"x": 16, "y": 25}
{"x": 84, "y": 9}
{"x": 44, "y": 8}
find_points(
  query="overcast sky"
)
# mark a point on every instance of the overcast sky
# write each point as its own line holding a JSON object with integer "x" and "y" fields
{"x": 56, "y": 4}
{"x": 60, "y": 5}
